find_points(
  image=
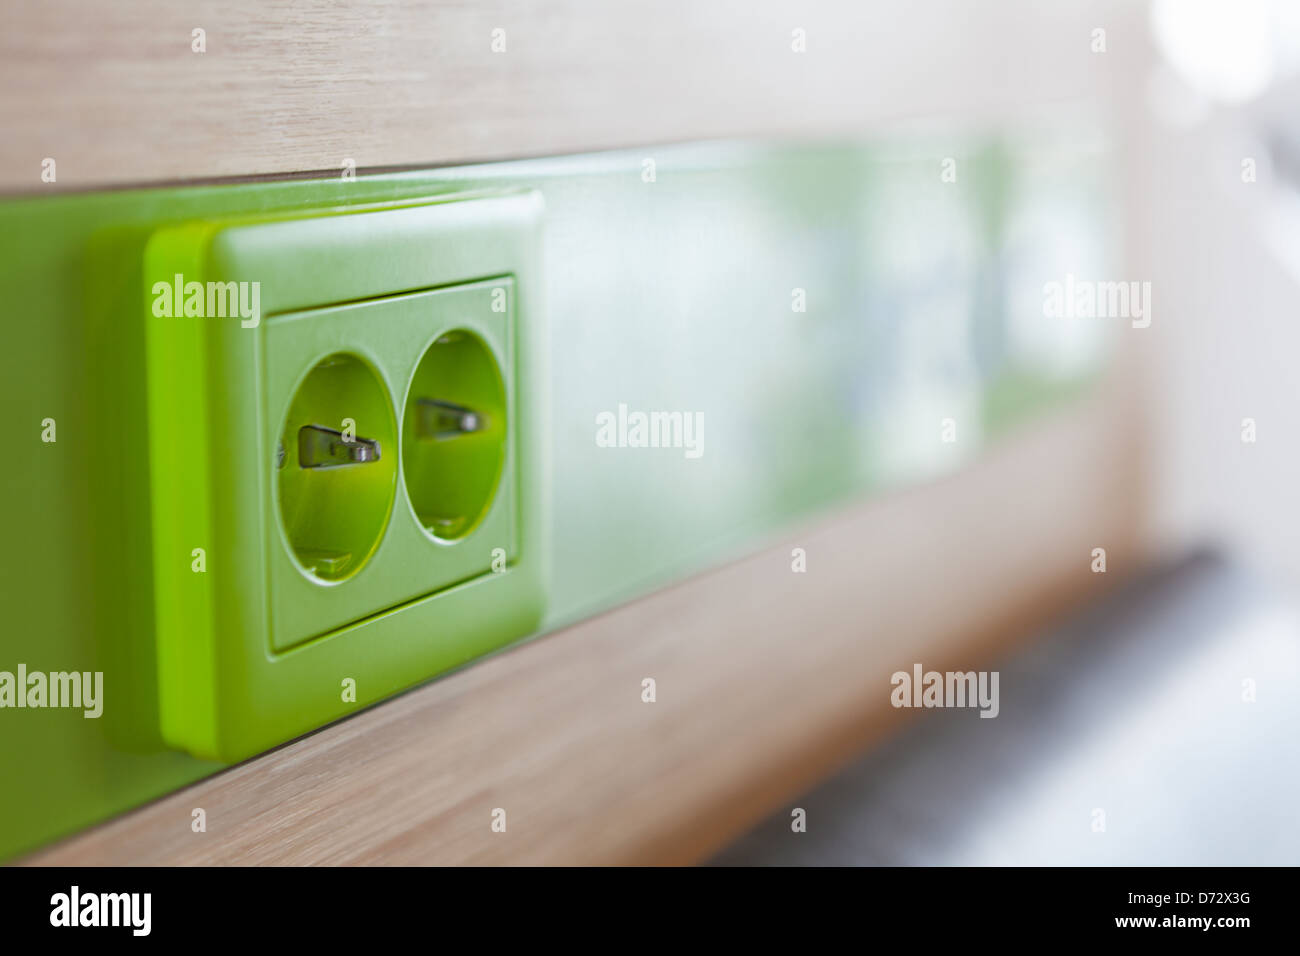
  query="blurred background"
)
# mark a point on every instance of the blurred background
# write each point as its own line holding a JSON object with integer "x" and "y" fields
{"x": 1160, "y": 724}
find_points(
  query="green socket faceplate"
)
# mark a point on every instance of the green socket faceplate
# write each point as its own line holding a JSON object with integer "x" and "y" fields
{"x": 256, "y": 645}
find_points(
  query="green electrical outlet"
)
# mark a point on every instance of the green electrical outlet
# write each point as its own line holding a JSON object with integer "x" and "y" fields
{"x": 345, "y": 417}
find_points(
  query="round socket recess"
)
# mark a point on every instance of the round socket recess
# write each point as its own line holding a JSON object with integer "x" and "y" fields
{"x": 336, "y": 467}
{"x": 454, "y": 435}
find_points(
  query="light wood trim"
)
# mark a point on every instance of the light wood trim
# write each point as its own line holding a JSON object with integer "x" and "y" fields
{"x": 112, "y": 91}
{"x": 767, "y": 681}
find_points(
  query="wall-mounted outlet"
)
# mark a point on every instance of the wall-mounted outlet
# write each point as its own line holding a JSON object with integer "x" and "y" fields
{"x": 345, "y": 430}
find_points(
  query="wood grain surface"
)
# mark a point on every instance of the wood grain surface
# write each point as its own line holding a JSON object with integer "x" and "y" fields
{"x": 766, "y": 682}
{"x": 115, "y": 94}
